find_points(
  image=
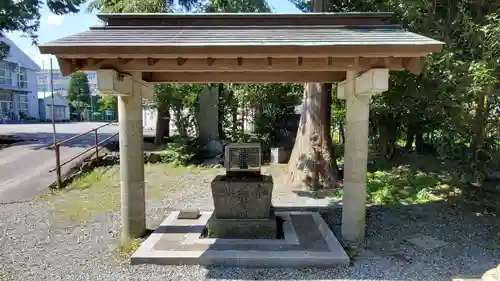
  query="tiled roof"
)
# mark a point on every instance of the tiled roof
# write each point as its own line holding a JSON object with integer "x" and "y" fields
{"x": 311, "y": 29}
{"x": 250, "y": 36}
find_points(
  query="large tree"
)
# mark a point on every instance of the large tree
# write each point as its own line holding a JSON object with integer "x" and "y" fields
{"x": 312, "y": 162}
{"x": 24, "y": 16}
{"x": 454, "y": 104}
{"x": 79, "y": 91}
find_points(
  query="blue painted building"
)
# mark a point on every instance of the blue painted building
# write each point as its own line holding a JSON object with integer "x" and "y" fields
{"x": 18, "y": 86}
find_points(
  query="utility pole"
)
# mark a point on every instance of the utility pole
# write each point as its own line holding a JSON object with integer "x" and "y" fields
{"x": 52, "y": 93}
{"x": 56, "y": 148}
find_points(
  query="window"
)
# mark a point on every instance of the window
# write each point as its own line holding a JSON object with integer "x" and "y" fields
{"x": 22, "y": 78}
{"x": 5, "y": 96}
{"x": 23, "y": 98}
{"x": 6, "y": 69}
{"x": 23, "y": 104}
{"x": 91, "y": 76}
{"x": 5, "y": 103}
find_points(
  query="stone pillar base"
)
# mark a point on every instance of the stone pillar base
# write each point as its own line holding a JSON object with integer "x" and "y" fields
{"x": 492, "y": 274}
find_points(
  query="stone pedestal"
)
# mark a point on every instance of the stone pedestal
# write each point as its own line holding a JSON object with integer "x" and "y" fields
{"x": 242, "y": 207}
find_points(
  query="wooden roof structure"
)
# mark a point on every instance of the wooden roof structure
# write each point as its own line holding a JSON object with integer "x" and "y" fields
{"x": 243, "y": 48}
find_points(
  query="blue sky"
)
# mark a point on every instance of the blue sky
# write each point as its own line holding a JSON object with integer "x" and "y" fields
{"x": 53, "y": 27}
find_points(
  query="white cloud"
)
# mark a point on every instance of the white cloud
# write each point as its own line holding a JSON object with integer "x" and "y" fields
{"x": 54, "y": 19}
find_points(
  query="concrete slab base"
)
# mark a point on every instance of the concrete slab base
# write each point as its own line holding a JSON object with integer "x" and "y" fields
{"x": 307, "y": 242}
{"x": 426, "y": 242}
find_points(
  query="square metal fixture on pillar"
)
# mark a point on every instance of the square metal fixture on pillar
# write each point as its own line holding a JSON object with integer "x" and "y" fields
{"x": 243, "y": 157}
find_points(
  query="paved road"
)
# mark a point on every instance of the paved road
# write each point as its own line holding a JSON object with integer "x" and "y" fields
{"x": 24, "y": 166}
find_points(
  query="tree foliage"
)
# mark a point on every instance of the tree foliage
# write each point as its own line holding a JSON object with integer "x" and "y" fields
{"x": 107, "y": 102}
{"x": 79, "y": 90}
{"x": 237, "y": 6}
{"x": 24, "y": 16}
{"x": 451, "y": 109}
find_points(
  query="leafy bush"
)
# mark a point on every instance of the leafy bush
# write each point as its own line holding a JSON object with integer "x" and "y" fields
{"x": 23, "y": 116}
{"x": 180, "y": 150}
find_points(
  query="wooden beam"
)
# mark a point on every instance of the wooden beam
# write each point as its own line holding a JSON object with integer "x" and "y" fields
{"x": 210, "y": 61}
{"x": 241, "y": 77}
{"x": 66, "y": 66}
{"x": 123, "y": 61}
{"x": 414, "y": 65}
{"x": 181, "y": 61}
{"x": 151, "y": 61}
{"x": 267, "y": 64}
{"x": 93, "y": 61}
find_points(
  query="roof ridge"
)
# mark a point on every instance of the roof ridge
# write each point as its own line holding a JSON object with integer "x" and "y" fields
{"x": 268, "y": 27}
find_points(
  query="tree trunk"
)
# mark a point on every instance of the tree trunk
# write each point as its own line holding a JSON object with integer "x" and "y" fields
{"x": 410, "y": 137}
{"x": 221, "y": 106}
{"x": 327, "y": 117}
{"x": 162, "y": 123}
{"x": 342, "y": 132}
{"x": 311, "y": 164}
{"x": 479, "y": 124}
{"x": 234, "y": 114}
{"x": 180, "y": 123}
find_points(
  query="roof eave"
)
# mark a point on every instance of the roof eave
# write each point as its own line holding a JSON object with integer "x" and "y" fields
{"x": 140, "y": 51}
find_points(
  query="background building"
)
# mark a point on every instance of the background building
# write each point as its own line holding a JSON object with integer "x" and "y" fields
{"x": 61, "y": 106}
{"x": 61, "y": 82}
{"x": 18, "y": 89}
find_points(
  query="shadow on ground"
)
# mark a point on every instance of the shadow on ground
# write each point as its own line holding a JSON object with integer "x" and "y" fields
{"x": 472, "y": 247}
{"x": 44, "y": 140}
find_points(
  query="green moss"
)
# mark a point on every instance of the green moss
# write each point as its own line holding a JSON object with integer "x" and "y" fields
{"x": 128, "y": 247}
{"x": 408, "y": 184}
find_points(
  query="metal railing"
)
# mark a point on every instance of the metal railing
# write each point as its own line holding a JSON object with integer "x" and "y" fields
{"x": 97, "y": 143}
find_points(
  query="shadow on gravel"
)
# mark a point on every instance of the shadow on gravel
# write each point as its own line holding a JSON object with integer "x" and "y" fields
{"x": 471, "y": 246}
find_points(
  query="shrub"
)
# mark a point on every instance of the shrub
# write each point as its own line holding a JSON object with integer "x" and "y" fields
{"x": 180, "y": 150}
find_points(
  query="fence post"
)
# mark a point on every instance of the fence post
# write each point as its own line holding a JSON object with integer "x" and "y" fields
{"x": 58, "y": 167}
{"x": 96, "y": 144}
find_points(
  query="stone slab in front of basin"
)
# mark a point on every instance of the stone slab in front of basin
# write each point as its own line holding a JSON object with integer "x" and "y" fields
{"x": 307, "y": 242}
{"x": 426, "y": 242}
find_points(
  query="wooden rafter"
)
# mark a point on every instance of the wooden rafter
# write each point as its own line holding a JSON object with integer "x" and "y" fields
{"x": 265, "y": 64}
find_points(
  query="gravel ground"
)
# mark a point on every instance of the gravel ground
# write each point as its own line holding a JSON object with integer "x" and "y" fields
{"x": 35, "y": 246}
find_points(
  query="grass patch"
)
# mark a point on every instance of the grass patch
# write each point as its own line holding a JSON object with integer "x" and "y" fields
{"x": 128, "y": 247}
{"x": 90, "y": 193}
{"x": 410, "y": 179}
{"x": 98, "y": 191}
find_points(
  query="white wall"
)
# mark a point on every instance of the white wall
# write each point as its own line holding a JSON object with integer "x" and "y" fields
{"x": 58, "y": 102}
{"x": 16, "y": 55}
{"x": 32, "y": 95}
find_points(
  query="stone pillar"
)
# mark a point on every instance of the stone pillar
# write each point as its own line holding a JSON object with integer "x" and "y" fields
{"x": 208, "y": 113}
{"x": 133, "y": 205}
{"x": 355, "y": 161}
{"x": 357, "y": 92}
